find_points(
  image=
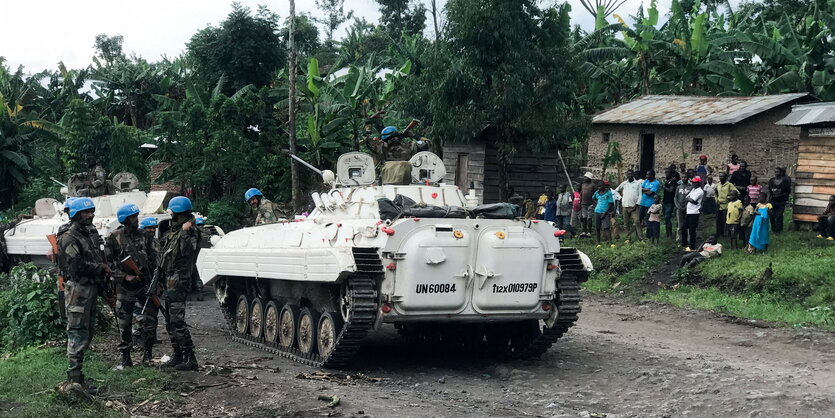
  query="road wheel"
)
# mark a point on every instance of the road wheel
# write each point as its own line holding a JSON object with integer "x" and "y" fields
{"x": 256, "y": 318}
{"x": 330, "y": 324}
{"x": 271, "y": 322}
{"x": 308, "y": 322}
{"x": 242, "y": 315}
{"x": 287, "y": 325}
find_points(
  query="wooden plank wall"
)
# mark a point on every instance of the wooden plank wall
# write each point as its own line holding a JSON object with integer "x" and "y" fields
{"x": 528, "y": 174}
{"x": 814, "y": 177}
{"x": 475, "y": 165}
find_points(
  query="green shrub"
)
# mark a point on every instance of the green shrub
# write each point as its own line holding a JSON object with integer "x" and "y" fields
{"x": 27, "y": 307}
{"x": 225, "y": 214}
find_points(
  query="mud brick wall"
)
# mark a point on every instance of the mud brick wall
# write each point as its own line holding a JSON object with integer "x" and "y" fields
{"x": 765, "y": 145}
{"x": 757, "y": 140}
{"x": 673, "y": 144}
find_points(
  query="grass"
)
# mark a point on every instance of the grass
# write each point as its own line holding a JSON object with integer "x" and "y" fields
{"x": 29, "y": 377}
{"x": 799, "y": 291}
{"x": 754, "y": 306}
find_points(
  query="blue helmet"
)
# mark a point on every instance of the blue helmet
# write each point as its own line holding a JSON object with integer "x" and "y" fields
{"x": 199, "y": 221}
{"x": 180, "y": 204}
{"x": 81, "y": 204}
{"x": 148, "y": 222}
{"x": 68, "y": 202}
{"x": 252, "y": 193}
{"x": 387, "y": 132}
{"x": 126, "y": 210}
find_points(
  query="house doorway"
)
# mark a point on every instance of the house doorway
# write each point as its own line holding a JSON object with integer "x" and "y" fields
{"x": 647, "y": 151}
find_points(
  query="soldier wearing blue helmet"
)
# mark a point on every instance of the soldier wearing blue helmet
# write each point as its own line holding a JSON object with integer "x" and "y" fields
{"x": 177, "y": 266}
{"x": 131, "y": 241}
{"x": 265, "y": 211}
{"x": 80, "y": 259}
{"x": 393, "y": 150}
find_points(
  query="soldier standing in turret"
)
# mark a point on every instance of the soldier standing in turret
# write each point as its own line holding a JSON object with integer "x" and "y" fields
{"x": 394, "y": 151}
{"x": 80, "y": 259}
{"x": 95, "y": 179}
{"x": 179, "y": 256}
{"x": 266, "y": 211}
{"x": 130, "y": 241}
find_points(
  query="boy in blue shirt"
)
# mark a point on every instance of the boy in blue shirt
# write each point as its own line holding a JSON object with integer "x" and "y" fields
{"x": 603, "y": 209}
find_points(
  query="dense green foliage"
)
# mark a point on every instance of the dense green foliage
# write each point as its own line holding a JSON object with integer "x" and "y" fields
{"x": 28, "y": 312}
{"x": 218, "y": 114}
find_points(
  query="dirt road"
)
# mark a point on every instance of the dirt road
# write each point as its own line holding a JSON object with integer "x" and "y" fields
{"x": 619, "y": 360}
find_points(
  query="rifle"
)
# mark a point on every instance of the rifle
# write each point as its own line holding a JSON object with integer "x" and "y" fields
{"x": 409, "y": 127}
{"x": 109, "y": 294}
{"x": 62, "y": 309}
{"x": 53, "y": 241}
{"x": 150, "y": 295}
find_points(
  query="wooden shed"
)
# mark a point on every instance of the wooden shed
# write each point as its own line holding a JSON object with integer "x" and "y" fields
{"x": 476, "y": 161}
{"x": 815, "y": 172}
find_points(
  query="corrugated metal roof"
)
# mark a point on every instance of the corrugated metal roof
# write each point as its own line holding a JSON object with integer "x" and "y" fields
{"x": 809, "y": 114}
{"x": 692, "y": 110}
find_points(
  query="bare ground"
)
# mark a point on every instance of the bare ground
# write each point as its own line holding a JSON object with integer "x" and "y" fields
{"x": 619, "y": 360}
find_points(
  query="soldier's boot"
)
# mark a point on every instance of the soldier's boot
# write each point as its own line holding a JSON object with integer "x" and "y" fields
{"x": 189, "y": 361}
{"x": 148, "y": 354}
{"x": 176, "y": 359}
{"x": 126, "y": 360}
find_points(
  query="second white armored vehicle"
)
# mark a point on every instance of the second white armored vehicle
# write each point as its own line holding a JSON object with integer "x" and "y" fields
{"x": 407, "y": 254}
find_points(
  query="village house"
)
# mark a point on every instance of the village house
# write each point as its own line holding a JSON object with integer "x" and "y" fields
{"x": 476, "y": 163}
{"x": 814, "y": 177}
{"x": 655, "y": 131}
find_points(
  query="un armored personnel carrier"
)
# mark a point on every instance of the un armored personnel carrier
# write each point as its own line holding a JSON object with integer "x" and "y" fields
{"x": 27, "y": 241}
{"x": 408, "y": 254}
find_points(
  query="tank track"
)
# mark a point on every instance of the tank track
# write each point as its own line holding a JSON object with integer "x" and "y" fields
{"x": 568, "y": 307}
{"x": 364, "y": 306}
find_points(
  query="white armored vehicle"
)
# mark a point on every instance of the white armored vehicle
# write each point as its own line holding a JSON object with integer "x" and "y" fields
{"x": 27, "y": 240}
{"x": 408, "y": 254}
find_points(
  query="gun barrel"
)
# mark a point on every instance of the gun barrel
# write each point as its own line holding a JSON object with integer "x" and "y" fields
{"x": 306, "y": 164}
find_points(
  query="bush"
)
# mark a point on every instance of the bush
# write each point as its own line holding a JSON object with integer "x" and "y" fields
{"x": 27, "y": 307}
{"x": 225, "y": 214}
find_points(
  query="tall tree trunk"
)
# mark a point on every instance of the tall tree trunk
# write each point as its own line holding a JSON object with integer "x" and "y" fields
{"x": 294, "y": 166}
{"x": 435, "y": 19}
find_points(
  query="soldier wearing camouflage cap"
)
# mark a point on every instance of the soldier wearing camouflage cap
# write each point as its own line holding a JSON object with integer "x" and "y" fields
{"x": 80, "y": 259}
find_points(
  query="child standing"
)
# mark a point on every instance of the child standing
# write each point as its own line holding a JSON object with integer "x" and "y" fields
{"x": 654, "y": 220}
{"x": 746, "y": 219}
{"x": 732, "y": 218}
{"x": 754, "y": 190}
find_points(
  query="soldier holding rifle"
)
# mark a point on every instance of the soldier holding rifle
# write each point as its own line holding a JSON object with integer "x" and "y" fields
{"x": 133, "y": 257}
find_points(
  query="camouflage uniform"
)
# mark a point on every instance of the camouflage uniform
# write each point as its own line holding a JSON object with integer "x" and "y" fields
{"x": 395, "y": 153}
{"x": 80, "y": 259}
{"x": 266, "y": 212}
{"x": 181, "y": 249}
{"x": 130, "y": 296}
{"x": 95, "y": 182}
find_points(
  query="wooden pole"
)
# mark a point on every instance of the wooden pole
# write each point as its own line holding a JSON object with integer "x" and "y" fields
{"x": 565, "y": 170}
{"x": 294, "y": 166}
